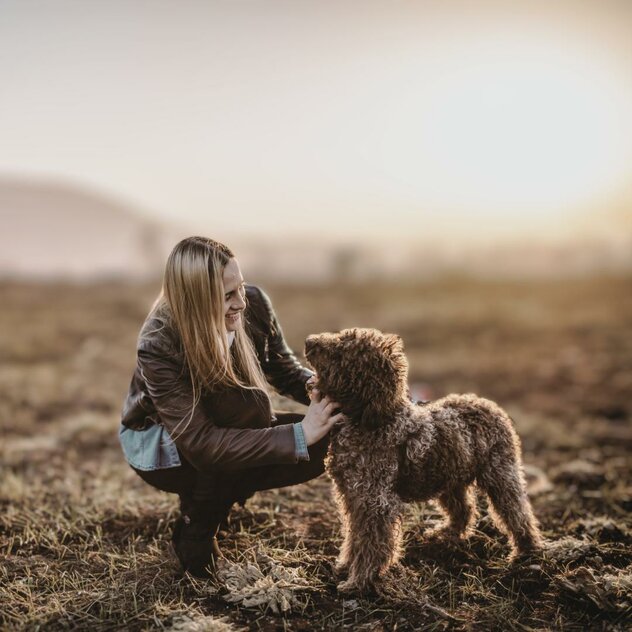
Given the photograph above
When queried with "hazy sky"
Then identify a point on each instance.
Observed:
(413, 117)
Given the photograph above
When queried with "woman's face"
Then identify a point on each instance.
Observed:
(235, 291)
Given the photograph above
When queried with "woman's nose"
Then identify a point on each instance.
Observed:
(240, 303)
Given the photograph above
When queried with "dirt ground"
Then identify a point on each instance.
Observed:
(84, 543)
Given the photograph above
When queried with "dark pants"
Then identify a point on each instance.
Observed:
(207, 494)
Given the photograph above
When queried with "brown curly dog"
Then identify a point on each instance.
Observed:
(392, 451)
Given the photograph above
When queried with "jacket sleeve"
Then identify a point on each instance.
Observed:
(205, 445)
(281, 367)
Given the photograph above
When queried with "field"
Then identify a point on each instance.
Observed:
(84, 543)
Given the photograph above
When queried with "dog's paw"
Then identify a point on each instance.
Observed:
(347, 587)
(341, 569)
(444, 534)
(525, 556)
(368, 588)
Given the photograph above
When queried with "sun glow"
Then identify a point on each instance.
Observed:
(512, 127)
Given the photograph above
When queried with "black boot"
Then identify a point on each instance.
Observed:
(195, 544)
(239, 497)
(224, 525)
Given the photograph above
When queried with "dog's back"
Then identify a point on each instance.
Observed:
(449, 442)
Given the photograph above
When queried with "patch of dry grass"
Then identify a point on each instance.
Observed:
(84, 543)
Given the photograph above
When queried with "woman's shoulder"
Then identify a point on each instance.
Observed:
(258, 301)
(255, 293)
(259, 310)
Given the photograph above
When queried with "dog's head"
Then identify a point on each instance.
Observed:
(364, 370)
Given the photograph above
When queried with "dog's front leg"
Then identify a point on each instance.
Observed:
(342, 563)
(372, 544)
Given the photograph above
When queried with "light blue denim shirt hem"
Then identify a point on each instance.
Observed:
(149, 449)
(153, 448)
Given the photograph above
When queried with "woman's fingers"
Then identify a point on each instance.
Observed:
(337, 419)
(324, 403)
(331, 406)
(320, 419)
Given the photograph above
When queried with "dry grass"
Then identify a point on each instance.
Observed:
(84, 542)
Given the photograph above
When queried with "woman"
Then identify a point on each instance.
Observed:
(197, 420)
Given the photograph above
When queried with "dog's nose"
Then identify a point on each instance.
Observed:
(310, 343)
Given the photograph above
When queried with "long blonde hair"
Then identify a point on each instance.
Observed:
(192, 302)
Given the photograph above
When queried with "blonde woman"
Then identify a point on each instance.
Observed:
(197, 420)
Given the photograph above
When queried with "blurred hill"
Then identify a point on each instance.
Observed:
(56, 230)
(51, 229)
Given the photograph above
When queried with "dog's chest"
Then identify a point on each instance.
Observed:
(354, 451)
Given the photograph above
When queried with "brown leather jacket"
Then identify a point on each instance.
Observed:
(229, 428)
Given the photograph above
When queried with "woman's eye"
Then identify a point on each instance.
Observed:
(241, 289)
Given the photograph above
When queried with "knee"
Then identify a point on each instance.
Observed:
(319, 449)
(282, 418)
(317, 454)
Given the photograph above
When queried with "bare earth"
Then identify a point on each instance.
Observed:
(84, 543)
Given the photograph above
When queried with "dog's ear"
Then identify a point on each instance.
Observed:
(372, 416)
(394, 342)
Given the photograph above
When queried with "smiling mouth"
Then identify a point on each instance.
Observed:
(234, 316)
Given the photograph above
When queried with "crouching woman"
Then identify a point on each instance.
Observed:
(197, 420)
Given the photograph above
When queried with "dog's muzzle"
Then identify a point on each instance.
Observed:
(310, 345)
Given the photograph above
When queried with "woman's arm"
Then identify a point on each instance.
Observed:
(193, 430)
(279, 364)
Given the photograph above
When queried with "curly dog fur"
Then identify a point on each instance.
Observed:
(392, 451)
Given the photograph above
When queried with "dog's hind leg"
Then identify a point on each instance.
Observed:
(510, 507)
(460, 508)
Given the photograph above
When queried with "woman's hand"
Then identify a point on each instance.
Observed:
(320, 417)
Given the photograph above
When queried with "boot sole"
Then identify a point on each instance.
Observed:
(202, 573)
